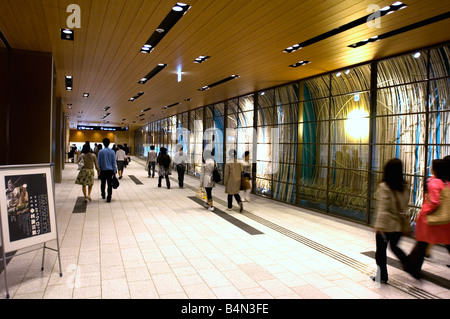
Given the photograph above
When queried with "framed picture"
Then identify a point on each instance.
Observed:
(26, 206)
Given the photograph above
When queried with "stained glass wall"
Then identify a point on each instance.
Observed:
(322, 142)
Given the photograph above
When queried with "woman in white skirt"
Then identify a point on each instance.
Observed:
(86, 175)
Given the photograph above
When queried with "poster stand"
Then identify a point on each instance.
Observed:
(46, 174)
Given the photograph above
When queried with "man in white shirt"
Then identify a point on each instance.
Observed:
(121, 158)
(181, 159)
(151, 161)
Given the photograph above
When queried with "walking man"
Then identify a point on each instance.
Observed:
(107, 164)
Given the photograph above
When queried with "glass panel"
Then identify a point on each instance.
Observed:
(439, 133)
(209, 111)
(313, 154)
(350, 106)
(401, 70)
(287, 153)
(316, 110)
(287, 113)
(401, 129)
(314, 88)
(284, 192)
(233, 106)
(439, 58)
(351, 80)
(439, 95)
(287, 133)
(312, 198)
(348, 181)
(285, 173)
(352, 130)
(313, 176)
(402, 99)
(246, 103)
(312, 132)
(412, 157)
(347, 206)
(266, 98)
(286, 94)
(266, 116)
(263, 187)
(264, 169)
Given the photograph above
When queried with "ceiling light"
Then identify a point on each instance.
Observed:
(67, 34)
(304, 62)
(201, 59)
(207, 87)
(382, 12)
(69, 82)
(106, 108)
(136, 96)
(416, 55)
(402, 30)
(178, 10)
(86, 95)
(152, 73)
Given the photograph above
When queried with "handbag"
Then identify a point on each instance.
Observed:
(216, 175)
(115, 182)
(81, 163)
(404, 218)
(441, 215)
(201, 193)
(245, 181)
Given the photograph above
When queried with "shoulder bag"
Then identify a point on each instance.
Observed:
(441, 215)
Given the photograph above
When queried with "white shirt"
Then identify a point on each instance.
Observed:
(181, 158)
(120, 155)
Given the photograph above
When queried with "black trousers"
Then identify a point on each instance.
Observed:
(180, 170)
(160, 178)
(230, 199)
(151, 169)
(106, 178)
(382, 241)
(417, 256)
(208, 191)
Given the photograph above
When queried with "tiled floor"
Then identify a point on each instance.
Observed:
(152, 242)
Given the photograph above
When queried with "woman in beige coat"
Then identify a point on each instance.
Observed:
(390, 219)
(232, 180)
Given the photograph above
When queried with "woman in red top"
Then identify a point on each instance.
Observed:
(431, 234)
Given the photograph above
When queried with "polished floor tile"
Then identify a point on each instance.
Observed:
(159, 243)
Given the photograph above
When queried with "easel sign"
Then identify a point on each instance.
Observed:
(26, 206)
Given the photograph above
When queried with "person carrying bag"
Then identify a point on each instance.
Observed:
(391, 220)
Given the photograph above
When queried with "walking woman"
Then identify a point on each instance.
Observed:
(86, 175)
(206, 181)
(164, 167)
(390, 218)
(431, 234)
(232, 180)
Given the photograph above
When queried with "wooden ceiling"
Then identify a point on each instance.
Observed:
(246, 38)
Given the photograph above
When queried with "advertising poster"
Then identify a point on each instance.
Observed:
(27, 212)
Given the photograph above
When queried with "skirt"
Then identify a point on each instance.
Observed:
(85, 177)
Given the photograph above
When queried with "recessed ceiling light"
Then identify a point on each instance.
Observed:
(152, 73)
(207, 87)
(300, 63)
(69, 82)
(136, 96)
(178, 10)
(201, 59)
(402, 30)
(86, 95)
(67, 34)
(382, 12)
